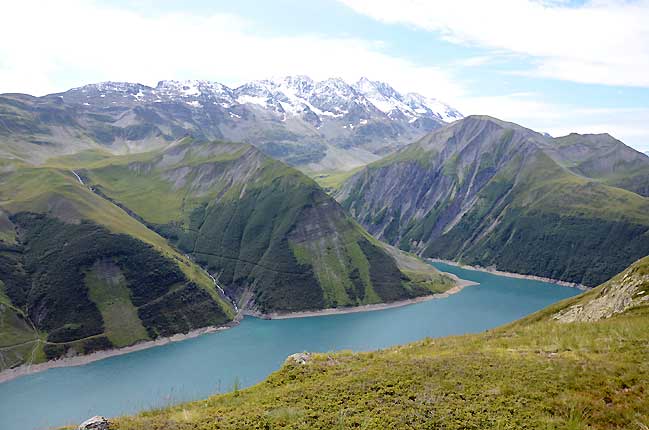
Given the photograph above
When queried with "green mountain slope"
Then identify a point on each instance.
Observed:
(488, 192)
(537, 373)
(602, 157)
(79, 274)
(270, 236)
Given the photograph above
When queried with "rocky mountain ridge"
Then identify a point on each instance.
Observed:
(488, 192)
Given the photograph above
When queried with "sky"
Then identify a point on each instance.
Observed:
(556, 66)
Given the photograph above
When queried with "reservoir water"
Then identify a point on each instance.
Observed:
(246, 354)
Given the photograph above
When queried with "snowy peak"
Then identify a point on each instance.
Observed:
(421, 105)
(384, 97)
(193, 88)
(411, 106)
(376, 88)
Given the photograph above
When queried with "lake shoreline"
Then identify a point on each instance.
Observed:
(510, 274)
(459, 286)
(80, 360)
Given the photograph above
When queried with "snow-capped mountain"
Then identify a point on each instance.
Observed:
(317, 125)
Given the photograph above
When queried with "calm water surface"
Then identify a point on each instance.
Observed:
(196, 368)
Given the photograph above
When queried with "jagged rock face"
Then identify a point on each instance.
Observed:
(494, 193)
(317, 125)
(627, 290)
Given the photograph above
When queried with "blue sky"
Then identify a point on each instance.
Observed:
(554, 65)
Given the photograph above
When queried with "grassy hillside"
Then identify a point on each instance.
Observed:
(273, 239)
(62, 248)
(331, 181)
(491, 193)
(19, 340)
(537, 373)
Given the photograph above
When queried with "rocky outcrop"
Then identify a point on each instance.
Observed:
(627, 290)
(300, 358)
(95, 423)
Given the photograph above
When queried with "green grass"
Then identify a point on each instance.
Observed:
(19, 342)
(550, 188)
(152, 198)
(331, 181)
(435, 283)
(14, 329)
(82, 158)
(414, 152)
(107, 289)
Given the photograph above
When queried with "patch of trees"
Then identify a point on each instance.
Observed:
(569, 248)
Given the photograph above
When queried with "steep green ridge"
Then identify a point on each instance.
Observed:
(331, 181)
(272, 238)
(60, 245)
(537, 373)
(491, 193)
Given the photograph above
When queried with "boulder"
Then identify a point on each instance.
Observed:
(299, 358)
(95, 423)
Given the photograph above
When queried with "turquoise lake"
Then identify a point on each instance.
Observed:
(246, 354)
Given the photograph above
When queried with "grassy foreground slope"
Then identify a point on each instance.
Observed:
(537, 373)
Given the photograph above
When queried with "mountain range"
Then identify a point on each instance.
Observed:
(314, 125)
(491, 193)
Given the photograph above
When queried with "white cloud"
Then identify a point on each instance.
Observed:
(84, 42)
(604, 42)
